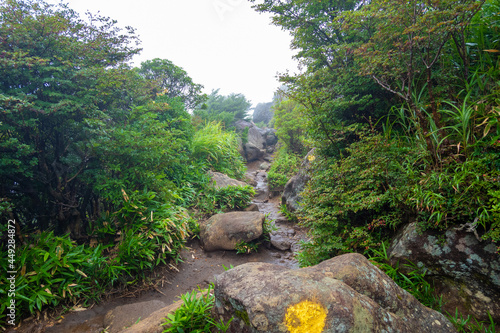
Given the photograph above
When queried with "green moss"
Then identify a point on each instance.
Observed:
(243, 315)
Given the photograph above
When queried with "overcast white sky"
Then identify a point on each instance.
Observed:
(219, 43)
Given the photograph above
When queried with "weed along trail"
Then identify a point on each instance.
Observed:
(125, 309)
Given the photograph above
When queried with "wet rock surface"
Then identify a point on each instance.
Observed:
(343, 294)
(465, 270)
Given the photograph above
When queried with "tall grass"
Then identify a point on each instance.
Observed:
(217, 149)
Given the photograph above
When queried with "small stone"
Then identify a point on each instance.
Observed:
(280, 242)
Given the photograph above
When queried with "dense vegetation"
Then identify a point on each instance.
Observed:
(99, 160)
(401, 98)
(224, 109)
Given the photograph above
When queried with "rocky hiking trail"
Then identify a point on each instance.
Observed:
(143, 311)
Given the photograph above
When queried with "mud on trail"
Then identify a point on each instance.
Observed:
(198, 269)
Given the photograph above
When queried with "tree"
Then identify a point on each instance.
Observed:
(331, 90)
(172, 81)
(263, 113)
(224, 109)
(405, 53)
(57, 72)
(288, 117)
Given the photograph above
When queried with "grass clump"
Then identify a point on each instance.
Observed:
(217, 149)
(195, 314)
(284, 166)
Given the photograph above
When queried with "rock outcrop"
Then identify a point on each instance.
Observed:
(271, 137)
(464, 270)
(343, 294)
(241, 124)
(224, 231)
(254, 148)
(296, 184)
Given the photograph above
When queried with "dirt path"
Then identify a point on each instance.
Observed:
(198, 269)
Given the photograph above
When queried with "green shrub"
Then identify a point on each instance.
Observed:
(53, 270)
(195, 314)
(354, 202)
(284, 166)
(217, 150)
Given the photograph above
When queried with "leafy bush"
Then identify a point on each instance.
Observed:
(217, 150)
(289, 124)
(353, 202)
(151, 231)
(284, 166)
(195, 314)
(54, 270)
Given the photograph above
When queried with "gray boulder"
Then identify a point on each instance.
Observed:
(255, 137)
(464, 270)
(220, 180)
(224, 231)
(254, 148)
(252, 152)
(264, 166)
(291, 194)
(343, 294)
(263, 113)
(252, 208)
(241, 124)
(271, 137)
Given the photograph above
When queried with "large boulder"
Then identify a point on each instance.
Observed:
(291, 194)
(252, 152)
(220, 180)
(271, 137)
(343, 294)
(224, 231)
(256, 138)
(464, 269)
(254, 148)
(241, 124)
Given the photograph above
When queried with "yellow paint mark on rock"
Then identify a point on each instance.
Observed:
(305, 317)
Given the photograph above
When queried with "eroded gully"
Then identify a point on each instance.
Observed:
(198, 269)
